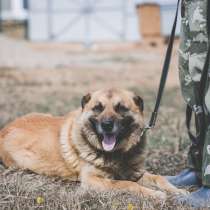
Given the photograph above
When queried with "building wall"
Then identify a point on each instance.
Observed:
(13, 10)
(6, 5)
(156, 20)
(108, 20)
(149, 20)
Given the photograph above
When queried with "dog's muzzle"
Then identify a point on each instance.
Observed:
(107, 129)
(109, 133)
(107, 125)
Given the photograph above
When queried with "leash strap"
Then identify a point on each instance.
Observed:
(164, 75)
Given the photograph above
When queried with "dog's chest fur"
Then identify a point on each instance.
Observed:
(117, 165)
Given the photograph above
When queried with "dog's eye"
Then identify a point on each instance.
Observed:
(98, 108)
(121, 108)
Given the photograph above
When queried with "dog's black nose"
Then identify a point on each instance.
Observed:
(107, 125)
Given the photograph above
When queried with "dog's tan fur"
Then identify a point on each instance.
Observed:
(67, 147)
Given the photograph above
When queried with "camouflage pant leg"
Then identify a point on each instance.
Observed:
(206, 149)
(192, 54)
(184, 74)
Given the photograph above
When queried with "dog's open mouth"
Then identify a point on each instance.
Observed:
(109, 142)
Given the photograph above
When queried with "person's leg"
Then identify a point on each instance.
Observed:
(191, 58)
(197, 22)
(188, 72)
(201, 197)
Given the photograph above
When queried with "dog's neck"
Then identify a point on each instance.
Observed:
(119, 164)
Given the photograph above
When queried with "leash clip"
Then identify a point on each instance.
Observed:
(151, 123)
(145, 129)
(197, 109)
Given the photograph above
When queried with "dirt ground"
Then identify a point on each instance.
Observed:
(51, 78)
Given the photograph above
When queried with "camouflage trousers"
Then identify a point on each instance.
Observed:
(192, 55)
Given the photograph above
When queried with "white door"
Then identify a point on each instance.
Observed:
(85, 21)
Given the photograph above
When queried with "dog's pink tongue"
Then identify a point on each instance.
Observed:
(109, 142)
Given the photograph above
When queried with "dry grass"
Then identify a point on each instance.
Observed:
(24, 190)
(58, 91)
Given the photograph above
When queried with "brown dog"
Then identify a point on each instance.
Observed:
(98, 144)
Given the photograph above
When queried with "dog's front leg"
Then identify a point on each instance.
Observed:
(96, 179)
(159, 182)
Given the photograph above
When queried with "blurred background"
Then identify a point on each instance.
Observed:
(52, 52)
(87, 21)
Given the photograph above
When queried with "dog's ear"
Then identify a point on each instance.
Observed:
(85, 100)
(139, 102)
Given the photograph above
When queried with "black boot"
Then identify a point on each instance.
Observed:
(187, 177)
(197, 199)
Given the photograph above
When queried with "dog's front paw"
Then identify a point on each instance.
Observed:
(159, 195)
(182, 192)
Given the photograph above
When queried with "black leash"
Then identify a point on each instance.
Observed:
(164, 75)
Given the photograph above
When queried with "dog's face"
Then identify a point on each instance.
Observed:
(112, 119)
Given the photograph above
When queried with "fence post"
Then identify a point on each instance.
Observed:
(49, 19)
